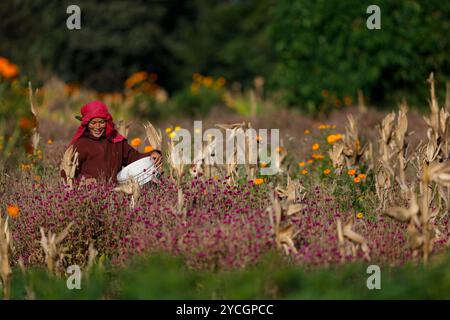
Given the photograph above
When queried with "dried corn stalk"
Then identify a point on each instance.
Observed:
(279, 213)
(130, 187)
(154, 136)
(52, 246)
(354, 240)
(69, 165)
(175, 162)
(5, 250)
(419, 216)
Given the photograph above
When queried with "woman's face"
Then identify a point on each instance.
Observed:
(97, 127)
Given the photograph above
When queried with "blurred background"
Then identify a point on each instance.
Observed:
(160, 60)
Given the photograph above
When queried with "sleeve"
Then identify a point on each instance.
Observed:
(131, 155)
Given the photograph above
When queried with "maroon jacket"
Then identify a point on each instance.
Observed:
(100, 158)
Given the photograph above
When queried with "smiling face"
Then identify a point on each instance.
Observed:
(97, 127)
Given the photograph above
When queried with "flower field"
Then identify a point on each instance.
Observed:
(361, 188)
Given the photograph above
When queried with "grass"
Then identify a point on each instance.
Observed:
(160, 276)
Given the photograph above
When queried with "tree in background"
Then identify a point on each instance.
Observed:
(324, 50)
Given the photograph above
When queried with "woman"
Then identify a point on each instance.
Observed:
(102, 151)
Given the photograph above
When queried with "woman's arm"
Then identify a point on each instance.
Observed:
(131, 155)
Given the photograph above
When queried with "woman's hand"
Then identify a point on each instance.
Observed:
(157, 159)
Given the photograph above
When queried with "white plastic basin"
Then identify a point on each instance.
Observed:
(142, 170)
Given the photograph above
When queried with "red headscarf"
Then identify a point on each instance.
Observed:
(96, 109)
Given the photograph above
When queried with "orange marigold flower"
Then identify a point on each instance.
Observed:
(25, 167)
(49, 141)
(357, 180)
(304, 171)
(359, 215)
(317, 156)
(301, 164)
(148, 149)
(361, 176)
(136, 78)
(197, 77)
(306, 131)
(310, 161)
(208, 81)
(327, 171)
(332, 138)
(315, 146)
(348, 101)
(13, 210)
(258, 181)
(351, 172)
(136, 142)
(263, 164)
(25, 123)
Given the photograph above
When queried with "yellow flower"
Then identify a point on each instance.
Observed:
(306, 131)
(50, 141)
(310, 161)
(177, 128)
(13, 210)
(168, 130)
(315, 146)
(263, 164)
(301, 164)
(351, 172)
(136, 142)
(357, 180)
(172, 135)
(327, 171)
(361, 176)
(359, 215)
(258, 181)
(304, 171)
(37, 178)
(148, 149)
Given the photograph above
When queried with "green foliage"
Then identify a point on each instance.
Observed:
(189, 103)
(160, 276)
(324, 48)
(223, 38)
